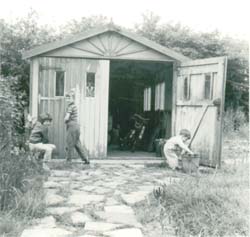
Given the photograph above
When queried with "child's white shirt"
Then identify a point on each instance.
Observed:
(175, 143)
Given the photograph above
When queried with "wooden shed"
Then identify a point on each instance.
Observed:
(116, 73)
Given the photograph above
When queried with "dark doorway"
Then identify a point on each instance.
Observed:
(132, 90)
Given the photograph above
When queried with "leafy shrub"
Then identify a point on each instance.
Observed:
(235, 121)
(16, 166)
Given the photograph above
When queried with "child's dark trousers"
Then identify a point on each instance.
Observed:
(73, 142)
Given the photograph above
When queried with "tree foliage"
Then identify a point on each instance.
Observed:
(16, 37)
(203, 45)
(85, 23)
(25, 33)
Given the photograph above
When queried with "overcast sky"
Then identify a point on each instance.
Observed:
(229, 17)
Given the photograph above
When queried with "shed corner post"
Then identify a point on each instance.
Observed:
(34, 81)
(223, 65)
(174, 97)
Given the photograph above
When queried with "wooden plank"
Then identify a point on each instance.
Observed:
(110, 38)
(85, 109)
(105, 73)
(81, 67)
(117, 40)
(130, 47)
(202, 62)
(35, 81)
(200, 69)
(223, 70)
(31, 87)
(96, 43)
(128, 44)
(174, 96)
(89, 51)
(72, 52)
(92, 104)
(144, 55)
(102, 40)
(102, 120)
(89, 46)
(96, 113)
(99, 116)
(132, 52)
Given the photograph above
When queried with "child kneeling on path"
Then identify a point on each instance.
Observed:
(73, 130)
(175, 146)
(39, 140)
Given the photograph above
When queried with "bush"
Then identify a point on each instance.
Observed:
(21, 177)
(235, 121)
(17, 167)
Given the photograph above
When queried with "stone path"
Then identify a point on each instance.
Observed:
(98, 200)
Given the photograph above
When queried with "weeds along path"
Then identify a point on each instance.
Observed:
(99, 200)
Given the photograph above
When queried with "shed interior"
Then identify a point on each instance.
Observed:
(136, 87)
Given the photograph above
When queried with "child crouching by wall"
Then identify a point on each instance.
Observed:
(39, 140)
(174, 147)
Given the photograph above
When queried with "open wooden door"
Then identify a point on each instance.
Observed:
(199, 100)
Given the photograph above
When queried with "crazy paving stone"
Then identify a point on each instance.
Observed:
(53, 199)
(60, 173)
(87, 188)
(80, 200)
(61, 210)
(111, 184)
(120, 214)
(45, 232)
(148, 188)
(79, 218)
(134, 197)
(87, 236)
(129, 232)
(76, 185)
(48, 222)
(51, 184)
(119, 209)
(100, 226)
(101, 190)
(111, 201)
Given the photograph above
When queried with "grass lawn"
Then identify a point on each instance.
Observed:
(212, 204)
(28, 206)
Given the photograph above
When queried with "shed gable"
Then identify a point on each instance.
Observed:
(108, 45)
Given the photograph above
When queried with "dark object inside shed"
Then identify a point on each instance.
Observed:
(129, 81)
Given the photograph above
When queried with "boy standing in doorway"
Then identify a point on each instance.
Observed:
(174, 146)
(73, 130)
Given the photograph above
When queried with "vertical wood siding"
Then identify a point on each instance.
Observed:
(93, 111)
